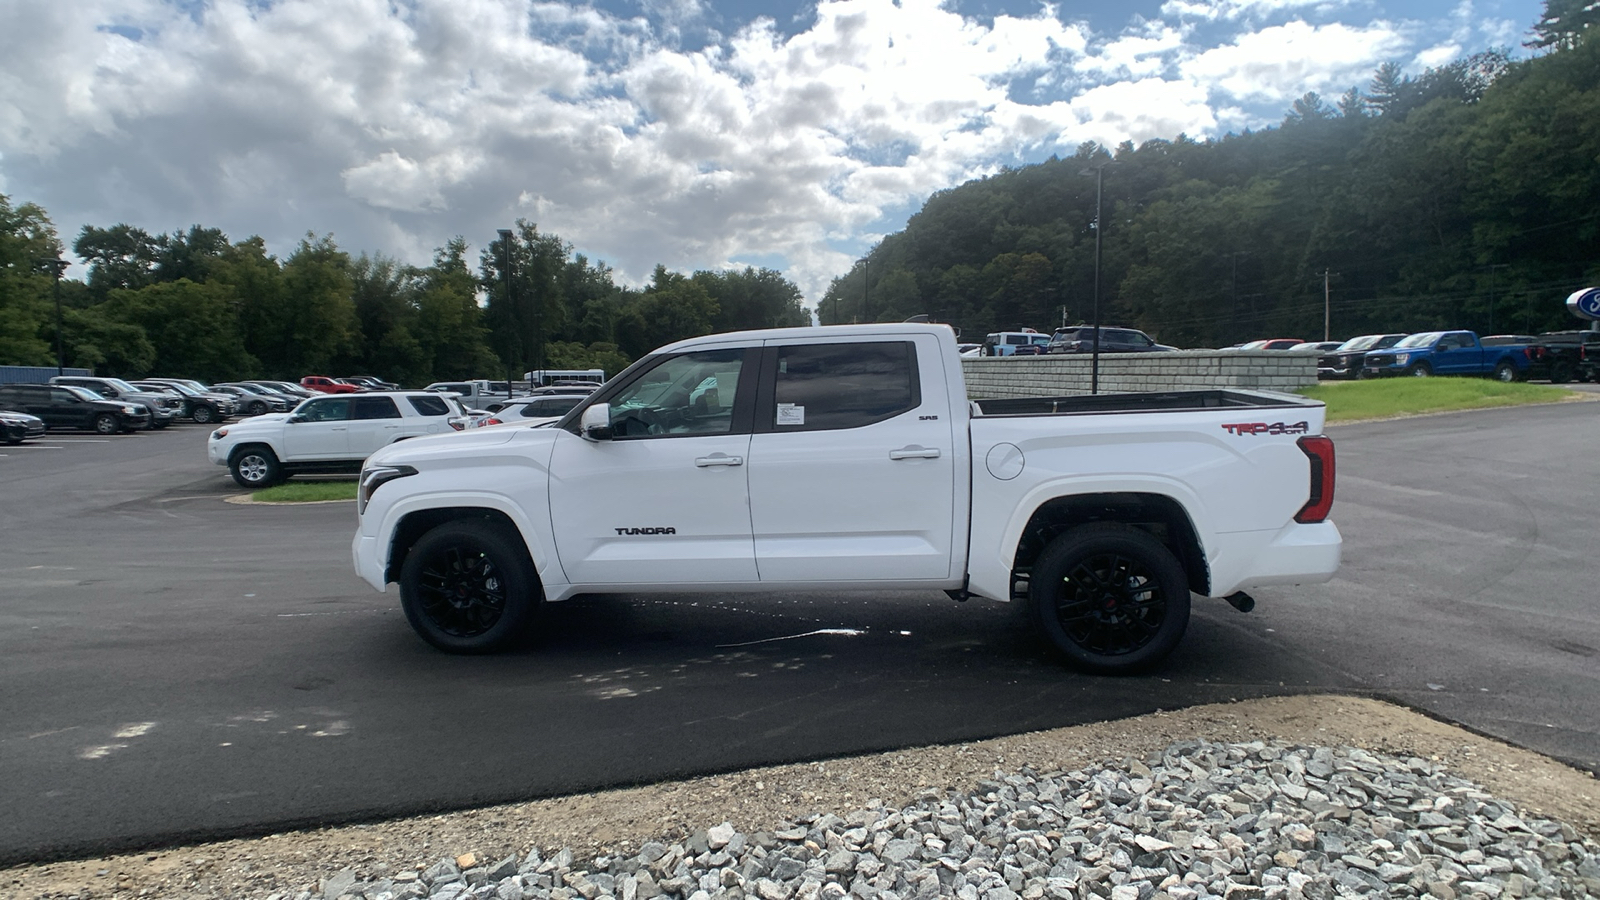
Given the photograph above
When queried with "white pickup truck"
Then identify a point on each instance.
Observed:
(849, 458)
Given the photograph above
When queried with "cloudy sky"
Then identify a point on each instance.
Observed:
(692, 133)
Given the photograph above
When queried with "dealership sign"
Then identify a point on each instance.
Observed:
(1585, 304)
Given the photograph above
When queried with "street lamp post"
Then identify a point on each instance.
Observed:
(1099, 229)
(505, 274)
(58, 267)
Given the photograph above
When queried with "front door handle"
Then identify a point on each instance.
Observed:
(717, 459)
(915, 453)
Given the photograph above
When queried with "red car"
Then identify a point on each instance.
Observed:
(328, 385)
(1272, 344)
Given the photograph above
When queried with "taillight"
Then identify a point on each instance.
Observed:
(490, 421)
(1320, 451)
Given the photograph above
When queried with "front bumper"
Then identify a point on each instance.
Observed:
(368, 562)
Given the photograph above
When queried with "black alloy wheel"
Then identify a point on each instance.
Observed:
(1561, 373)
(1110, 597)
(203, 414)
(469, 586)
(258, 408)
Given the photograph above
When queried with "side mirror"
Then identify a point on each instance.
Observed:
(595, 424)
(296, 418)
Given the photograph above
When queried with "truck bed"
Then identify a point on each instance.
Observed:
(1162, 401)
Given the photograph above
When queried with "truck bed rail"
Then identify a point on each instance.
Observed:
(1155, 401)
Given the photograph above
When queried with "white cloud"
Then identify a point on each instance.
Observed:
(397, 124)
(1285, 61)
(1233, 10)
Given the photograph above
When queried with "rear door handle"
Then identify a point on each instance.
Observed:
(719, 460)
(915, 453)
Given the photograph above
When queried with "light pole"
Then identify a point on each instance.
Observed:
(58, 267)
(505, 274)
(1099, 229)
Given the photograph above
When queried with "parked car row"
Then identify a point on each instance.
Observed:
(1558, 356)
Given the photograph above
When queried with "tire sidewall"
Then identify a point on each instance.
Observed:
(1420, 370)
(273, 470)
(202, 415)
(1505, 373)
(509, 555)
(106, 423)
(1057, 559)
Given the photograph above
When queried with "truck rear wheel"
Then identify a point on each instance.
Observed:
(1561, 373)
(1505, 373)
(1110, 597)
(468, 586)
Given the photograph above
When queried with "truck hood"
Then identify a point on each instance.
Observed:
(471, 442)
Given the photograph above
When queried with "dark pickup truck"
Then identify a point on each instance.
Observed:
(1570, 355)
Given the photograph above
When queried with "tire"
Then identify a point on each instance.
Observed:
(1505, 372)
(258, 409)
(204, 415)
(1110, 598)
(255, 468)
(469, 586)
(1420, 370)
(107, 423)
(1561, 373)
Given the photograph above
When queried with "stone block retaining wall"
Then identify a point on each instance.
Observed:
(999, 377)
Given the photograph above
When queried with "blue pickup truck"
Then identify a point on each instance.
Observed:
(1450, 353)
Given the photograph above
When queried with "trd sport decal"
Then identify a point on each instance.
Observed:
(1264, 428)
(647, 531)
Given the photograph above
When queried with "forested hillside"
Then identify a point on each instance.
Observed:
(1467, 197)
(195, 304)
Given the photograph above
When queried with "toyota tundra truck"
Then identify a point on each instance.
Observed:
(849, 458)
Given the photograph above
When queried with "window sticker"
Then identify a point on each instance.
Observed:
(790, 414)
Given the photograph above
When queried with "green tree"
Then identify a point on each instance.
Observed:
(1565, 23)
(317, 330)
(193, 329)
(28, 244)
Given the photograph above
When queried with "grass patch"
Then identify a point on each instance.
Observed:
(1387, 397)
(306, 492)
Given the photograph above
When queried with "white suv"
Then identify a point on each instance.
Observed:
(329, 434)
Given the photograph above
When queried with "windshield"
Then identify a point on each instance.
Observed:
(1365, 342)
(183, 389)
(1420, 340)
(122, 386)
(84, 392)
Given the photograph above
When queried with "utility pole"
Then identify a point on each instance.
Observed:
(1326, 305)
(58, 267)
(1493, 289)
(866, 285)
(1099, 229)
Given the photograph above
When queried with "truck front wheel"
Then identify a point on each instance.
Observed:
(1110, 597)
(469, 587)
(1420, 370)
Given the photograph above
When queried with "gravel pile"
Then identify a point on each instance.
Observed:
(1234, 821)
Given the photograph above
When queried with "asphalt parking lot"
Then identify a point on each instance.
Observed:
(178, 667)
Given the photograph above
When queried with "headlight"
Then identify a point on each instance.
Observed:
(1402, 358)
(130, 410)
(219, 434)
(374, 478)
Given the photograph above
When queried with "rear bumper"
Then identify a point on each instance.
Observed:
(1294, 554)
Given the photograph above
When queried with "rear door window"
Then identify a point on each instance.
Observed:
(831, 386)
(375, 408)
(429, 406)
